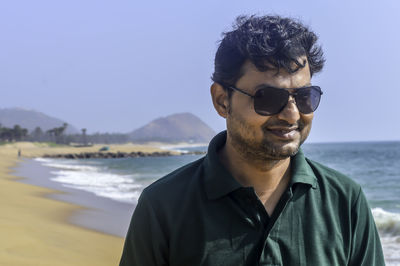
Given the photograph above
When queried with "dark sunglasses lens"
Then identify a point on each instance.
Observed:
(307, 99)
(270, 101)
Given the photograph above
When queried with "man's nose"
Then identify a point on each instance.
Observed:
(290, 113)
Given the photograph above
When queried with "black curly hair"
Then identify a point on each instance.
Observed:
(265, 41)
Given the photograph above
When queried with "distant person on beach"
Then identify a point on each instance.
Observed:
(255, 199)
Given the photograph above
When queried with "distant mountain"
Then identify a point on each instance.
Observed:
(182, 127)
(31, 119)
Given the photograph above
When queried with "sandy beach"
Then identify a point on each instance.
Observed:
(37, 228)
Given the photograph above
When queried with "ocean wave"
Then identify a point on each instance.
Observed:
(388, 223)
(94, 179)
(43, 160)
(174, 148)
(109, 185)
(185, 147)
(72, 167)
(111, 193)
(60, 164)
(391, 247)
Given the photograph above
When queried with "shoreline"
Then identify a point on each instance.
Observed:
(95, 213)
(39, 229)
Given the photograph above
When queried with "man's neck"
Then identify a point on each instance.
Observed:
(268, 178)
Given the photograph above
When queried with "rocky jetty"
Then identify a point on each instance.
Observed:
(109, 155)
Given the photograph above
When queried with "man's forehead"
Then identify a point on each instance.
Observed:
(252, 77)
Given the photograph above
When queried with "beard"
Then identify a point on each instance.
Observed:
(243, 138)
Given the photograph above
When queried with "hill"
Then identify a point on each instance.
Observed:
(182, 127)
(31, 119)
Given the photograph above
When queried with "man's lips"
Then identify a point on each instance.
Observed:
(284, 132)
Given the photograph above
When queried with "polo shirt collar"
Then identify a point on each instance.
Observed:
(219, 181)
(302, 173)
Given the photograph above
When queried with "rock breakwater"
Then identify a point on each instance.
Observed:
(110, 155)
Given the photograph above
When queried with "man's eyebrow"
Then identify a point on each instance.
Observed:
(266, 85)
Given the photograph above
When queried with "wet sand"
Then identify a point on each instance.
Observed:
(96, 213)
(37, 228)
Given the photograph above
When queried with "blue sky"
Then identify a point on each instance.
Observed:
(112, 66)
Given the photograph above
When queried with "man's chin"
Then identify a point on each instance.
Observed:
(284, 150)
(268, 149)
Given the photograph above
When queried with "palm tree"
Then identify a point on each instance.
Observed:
(24, 133)
(17, 132)
(37, 134)
(58, 133)
(84, 136)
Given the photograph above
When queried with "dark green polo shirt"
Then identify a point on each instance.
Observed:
(200, 215)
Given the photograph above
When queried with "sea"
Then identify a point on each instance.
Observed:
(374, 165)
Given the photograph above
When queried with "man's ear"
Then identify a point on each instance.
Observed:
(220, 99)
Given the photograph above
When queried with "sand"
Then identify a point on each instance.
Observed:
(35, 230)
(96, 213)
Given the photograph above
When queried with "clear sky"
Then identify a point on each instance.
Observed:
(112, 66)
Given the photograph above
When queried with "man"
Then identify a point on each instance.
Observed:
(254, 199)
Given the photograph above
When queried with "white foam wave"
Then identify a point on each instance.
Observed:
(94, 179)
(60, 164)
(43, 160)
(178, 147)
(179, 150)
(388, 224)
(129, 197)
(391, 247)
(72, 167)
(117, 187)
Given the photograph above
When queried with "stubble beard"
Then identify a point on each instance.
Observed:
(267, 149)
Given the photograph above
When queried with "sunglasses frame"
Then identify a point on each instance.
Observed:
(294, 94)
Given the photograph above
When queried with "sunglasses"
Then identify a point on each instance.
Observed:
(271, 101)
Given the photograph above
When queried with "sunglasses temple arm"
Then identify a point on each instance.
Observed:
(242, 91)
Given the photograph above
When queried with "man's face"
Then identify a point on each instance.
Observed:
(259, 137)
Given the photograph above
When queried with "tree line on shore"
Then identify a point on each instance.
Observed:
(58, 135)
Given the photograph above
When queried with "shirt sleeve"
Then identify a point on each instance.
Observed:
(145, 243)
(366, 246)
